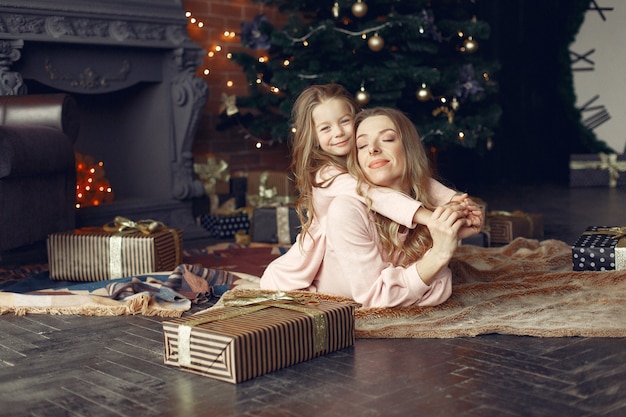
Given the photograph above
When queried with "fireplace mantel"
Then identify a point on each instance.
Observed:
(132, 68)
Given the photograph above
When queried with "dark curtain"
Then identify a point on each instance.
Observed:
(540, 125)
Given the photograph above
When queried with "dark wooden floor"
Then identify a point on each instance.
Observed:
(113, 366)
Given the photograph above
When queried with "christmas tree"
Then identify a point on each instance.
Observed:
(422, 57)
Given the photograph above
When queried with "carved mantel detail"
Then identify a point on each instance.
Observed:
(98, 30)
(11, 82)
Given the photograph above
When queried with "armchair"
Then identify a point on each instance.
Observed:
(37, 167)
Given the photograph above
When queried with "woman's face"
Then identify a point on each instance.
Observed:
(380, 152)
(334, 126)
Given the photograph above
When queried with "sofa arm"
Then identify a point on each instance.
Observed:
(59, 111)
(34, 150)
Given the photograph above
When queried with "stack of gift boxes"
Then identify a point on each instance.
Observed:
(259, 204)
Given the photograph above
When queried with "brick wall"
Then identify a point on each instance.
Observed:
(217, 17)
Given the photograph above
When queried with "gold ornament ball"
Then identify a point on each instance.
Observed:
(359, 9)
(423, 93)
(376, 43)
(470, 45)
(362, 97)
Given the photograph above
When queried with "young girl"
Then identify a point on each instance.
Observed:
(324, 117)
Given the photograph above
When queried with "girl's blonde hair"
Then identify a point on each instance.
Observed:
(415, 178)
(307, 157)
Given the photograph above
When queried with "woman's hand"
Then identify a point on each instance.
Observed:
(444, 226)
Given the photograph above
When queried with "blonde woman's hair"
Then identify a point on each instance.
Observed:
(415, 178)
(307, 157)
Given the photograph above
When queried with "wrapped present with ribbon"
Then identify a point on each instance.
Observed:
(504, 226)
(279, 224)
(214, 174)
(256, 333)
(600, 248)
(597, 170)
(121, 248)
(225, 224)
(269, 189)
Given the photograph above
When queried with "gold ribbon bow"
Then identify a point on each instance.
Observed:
(617, 232)
(123, 225)
(255, 301)
(262, 297)
(210, 172)
(607, 162)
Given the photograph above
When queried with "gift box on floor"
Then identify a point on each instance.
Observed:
(480, 239)
(224, 226)
(235, 344)
(95, 254)
(600, 248)
(504, 226)
(275, 225)
(597, 170)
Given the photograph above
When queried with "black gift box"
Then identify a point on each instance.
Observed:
(600, 248)
(275, 225)
(223, 226)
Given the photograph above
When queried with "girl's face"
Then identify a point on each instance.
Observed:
(333, 124)
(380, 152)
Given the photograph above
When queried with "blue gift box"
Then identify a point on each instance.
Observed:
(600, 248)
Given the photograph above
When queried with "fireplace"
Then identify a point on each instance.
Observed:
(132, 69)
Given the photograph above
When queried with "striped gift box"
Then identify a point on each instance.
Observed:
(92, 254)
(235, 344)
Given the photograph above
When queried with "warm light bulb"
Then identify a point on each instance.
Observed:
(200, 24)
(210, 54)
(229, 56)
(305, 43)
(443, 100)
(259, 81)
(461, 135)
(218, 48)
(192, 20)
(286, 63)
(258, 145)
(206, 72)
(226, 34)
(229, 83)
(187, 14)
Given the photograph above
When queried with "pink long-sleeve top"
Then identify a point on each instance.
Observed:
(355, 267)
(299, 267)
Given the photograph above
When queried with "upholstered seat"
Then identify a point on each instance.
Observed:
(37, 167)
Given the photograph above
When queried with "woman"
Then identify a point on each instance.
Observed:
(374, 260)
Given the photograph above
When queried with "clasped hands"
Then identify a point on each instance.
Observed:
(469, 214)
